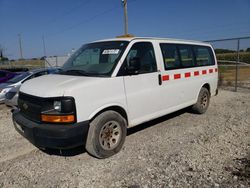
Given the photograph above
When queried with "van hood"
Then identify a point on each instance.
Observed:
(55, 85)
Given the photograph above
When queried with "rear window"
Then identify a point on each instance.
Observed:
(204, 56)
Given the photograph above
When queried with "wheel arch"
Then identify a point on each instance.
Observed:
(117, 108)
(207, 86)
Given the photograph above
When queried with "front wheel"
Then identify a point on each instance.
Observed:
(202, 102)
(106, 135)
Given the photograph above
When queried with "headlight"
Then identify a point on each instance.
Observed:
(59, 110)
(5, 90)
(58, 105)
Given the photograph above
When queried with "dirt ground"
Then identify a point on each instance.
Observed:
(178, 150)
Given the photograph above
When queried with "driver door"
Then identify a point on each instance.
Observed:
(142, 88)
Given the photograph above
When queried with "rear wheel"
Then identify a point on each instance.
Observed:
(106, 135)
(202, 102)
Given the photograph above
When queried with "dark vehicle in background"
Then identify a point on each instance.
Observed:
(6, 75)
(9, 90)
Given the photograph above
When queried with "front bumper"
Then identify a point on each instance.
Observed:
(51, 135)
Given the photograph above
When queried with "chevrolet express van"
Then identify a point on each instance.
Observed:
(108, 86)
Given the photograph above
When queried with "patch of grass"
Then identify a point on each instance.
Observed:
(30, 64)
(244, 57)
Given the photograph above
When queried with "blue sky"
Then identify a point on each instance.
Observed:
(67, 24)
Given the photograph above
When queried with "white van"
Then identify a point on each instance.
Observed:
(110, 85)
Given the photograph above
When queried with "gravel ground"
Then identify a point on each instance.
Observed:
(178, 150)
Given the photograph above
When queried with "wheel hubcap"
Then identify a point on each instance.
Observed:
(204, 101)
(110, 135)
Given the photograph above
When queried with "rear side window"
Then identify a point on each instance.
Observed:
(178, 56)
(186, 54)
(204, 56)
(170, 56)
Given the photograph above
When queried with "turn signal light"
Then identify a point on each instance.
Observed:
(58, 119)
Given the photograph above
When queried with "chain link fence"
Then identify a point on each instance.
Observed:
(233, 56)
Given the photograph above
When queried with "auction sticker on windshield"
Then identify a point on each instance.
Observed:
(111, 51)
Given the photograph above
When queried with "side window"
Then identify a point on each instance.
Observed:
(204, 56)
(143, 51)
(170, 56)
(186, 55)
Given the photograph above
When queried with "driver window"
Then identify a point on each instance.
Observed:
(143, 51)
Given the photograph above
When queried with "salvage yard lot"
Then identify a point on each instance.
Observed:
(178, 150)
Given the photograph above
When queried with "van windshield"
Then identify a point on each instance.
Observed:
(95, 59)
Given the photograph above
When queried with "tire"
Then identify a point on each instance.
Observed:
(106, 136)
(202, 102)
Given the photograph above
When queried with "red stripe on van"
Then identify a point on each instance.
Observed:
(165, 77)
(211, 70)
(177, 76)
(187, 74)
(216, 70)
(204, 71)
(196, 73)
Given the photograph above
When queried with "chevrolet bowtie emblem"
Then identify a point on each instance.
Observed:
(25, 106)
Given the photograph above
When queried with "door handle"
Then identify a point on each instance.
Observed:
(159, 79)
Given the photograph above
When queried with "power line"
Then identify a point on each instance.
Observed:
(82, 22)
(228, 39)
(69, 11)
(214, 31)
(87, 20)
(211, 28)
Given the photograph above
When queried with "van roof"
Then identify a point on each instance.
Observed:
(171, 40)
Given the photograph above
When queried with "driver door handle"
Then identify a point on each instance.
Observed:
(159, 79)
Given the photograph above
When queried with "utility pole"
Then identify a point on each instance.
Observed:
(125, 17)
(1, 52)
(20, 45)
(44, 48)
(237, 64)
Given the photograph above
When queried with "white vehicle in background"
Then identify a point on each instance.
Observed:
(110, 85)
(12, 86)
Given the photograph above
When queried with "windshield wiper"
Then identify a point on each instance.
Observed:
(74, 72)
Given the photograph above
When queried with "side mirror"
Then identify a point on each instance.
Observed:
(134, 66)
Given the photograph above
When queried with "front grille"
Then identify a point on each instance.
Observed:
(30, 106)
(10, 95)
